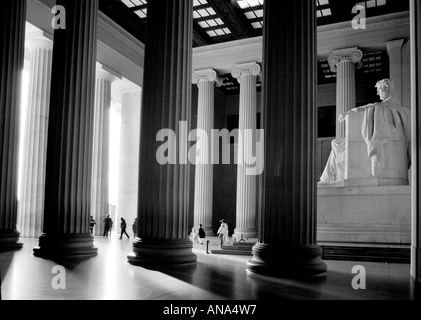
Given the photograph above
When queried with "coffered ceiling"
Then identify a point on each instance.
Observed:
(218, 21)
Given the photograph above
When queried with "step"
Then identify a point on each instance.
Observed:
(366, 253)
(244, 244)
(241, 248)
(231, 252)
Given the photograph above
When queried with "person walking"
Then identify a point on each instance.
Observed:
(223, 232)
(111, 227)
(202, 234)
(92, 223)
(123, 227)
(107, 221)
(134, 227)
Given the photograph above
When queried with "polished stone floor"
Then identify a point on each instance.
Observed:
(215, 277)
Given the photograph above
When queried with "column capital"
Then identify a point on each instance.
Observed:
(39, 39)
(394, 44)
(102, 73)
(206, 75)
(354, 55)
(252, 68)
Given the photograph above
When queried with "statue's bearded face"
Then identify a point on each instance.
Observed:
(383, 91)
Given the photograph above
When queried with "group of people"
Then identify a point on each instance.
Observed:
(108, 226)
(198, 237)
(223, 234)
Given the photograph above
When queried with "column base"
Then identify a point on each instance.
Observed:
(162, 253)
(9, 240)
(65, 246)
(415, 289)
(287, 261)
(245, 233)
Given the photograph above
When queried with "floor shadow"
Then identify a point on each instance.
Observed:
(238, 284)
(67, 262)
(6, 259)
(202, 276)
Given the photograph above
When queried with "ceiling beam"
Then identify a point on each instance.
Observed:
(143, 6)
(200, 38)
(119, 13)
(233, 18)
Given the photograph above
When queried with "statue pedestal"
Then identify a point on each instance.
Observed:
(364, 208)
(364, 214)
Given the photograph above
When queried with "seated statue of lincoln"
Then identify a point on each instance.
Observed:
(382, 122)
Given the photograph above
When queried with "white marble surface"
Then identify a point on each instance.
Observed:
(375, 214)
(358, 165)
(109, 277)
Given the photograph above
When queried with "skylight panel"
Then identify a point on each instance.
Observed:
(203, 24)
(128, 3)
(141, 13)
(203, 13)
(323, 8)
(253, 10)
(212, 23)
(326, 12)
(259, 13)
(219, 21)
(207, 18)
(211, 33)
(372, 3)
(257, 25)
(137, 4)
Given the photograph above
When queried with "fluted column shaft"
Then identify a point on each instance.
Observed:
(344, 63)
(101, 149)
(164, 189)
(12, 51)
(203, 191)
(31, 206)
(394, 49)
(70, 135)
(287, 236)
(416, 139)
(131, 102)
(246, 184)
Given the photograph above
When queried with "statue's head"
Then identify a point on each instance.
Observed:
(385, 88)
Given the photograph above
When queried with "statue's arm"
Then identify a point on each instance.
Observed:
(363, 108)
(359, 109)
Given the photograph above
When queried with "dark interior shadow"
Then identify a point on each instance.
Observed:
(305, 288)
(69, 263)
(202, 276)
(236, 285)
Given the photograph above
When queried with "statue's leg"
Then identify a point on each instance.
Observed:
(329, 173)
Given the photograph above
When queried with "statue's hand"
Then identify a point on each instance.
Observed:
(342, 117)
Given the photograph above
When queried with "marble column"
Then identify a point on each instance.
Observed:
(394, 49)
(131, 106)
(287, 244)
(31, 206)
(70, 135)
(203, 191)
(246, 74)
(101, 149)
(416, 139)
(164, 189)
(12, 54)
(344, 62)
